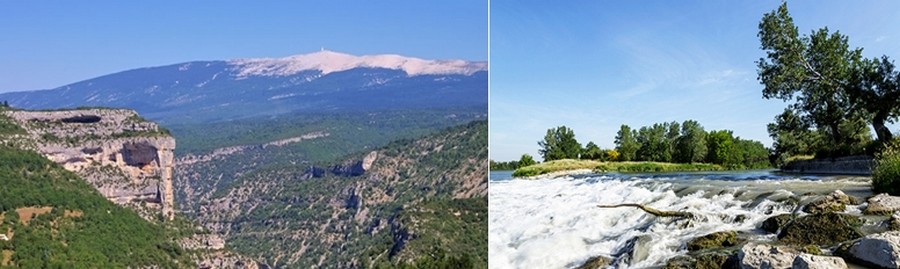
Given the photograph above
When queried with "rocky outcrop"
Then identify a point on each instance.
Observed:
(126, 158)
(821, 229)
(225, 259)
(713, 240)
(202, 241)
(754, 255)
(704, 260)
(882, 204)
(775, 223)
(808, 261)
(837, 201)
(355, 168)
(881, 250)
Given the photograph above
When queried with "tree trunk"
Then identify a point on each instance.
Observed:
(884, 134)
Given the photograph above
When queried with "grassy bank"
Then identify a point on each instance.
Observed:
(554, 166)
(603, 167)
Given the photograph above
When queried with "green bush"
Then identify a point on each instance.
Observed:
(886, 173)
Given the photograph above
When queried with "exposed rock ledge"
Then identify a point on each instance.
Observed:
(219, 152)
(128, 159)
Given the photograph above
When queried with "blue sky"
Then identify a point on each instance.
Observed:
(594, 65)
(47, 44)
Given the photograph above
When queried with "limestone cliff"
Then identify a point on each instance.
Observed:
(128, 159)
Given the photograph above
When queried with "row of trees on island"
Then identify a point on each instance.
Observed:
(686, 142)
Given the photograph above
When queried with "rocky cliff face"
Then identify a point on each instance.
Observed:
(380, 207)
(128, 159)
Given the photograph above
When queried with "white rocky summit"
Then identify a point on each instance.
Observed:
(327, 62)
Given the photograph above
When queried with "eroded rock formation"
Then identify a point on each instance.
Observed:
(128, 159)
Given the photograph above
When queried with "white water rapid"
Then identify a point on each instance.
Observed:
(554, 223)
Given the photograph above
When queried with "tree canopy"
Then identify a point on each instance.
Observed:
(559, 143)
(834, 90)
(686, 142)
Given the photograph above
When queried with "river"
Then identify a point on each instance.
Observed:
(554, 223)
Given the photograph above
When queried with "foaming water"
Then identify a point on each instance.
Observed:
(554, 223)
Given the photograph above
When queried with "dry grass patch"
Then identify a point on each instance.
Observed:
(7, 258)
(26, 213)
(73, 213)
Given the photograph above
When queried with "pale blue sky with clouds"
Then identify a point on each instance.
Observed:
(46, 44)
(594, 65)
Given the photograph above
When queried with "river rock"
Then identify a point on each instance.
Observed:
(894, 222)
(596, 263)
(821, 229)
(881, 249)
(762, 256)
(704, 260)
(837, 201)
(772, 224)
(713, 240)
(882, 204)
(808, 261)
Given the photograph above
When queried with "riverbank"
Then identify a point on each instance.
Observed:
(569, 167)
(850, 165)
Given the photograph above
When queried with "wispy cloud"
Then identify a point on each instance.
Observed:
(639, 89)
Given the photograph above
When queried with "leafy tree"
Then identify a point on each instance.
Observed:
(720, 146)
(626, 144)
(691, 145)
(592, 152)
(654, 145)
(559, 143)
(792, 136)
(831, 85)
(503, 166)
(878, 92)
(672, 134)
(526, 160)
(750, 154)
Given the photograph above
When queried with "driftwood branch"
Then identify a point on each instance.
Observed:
(653, 211)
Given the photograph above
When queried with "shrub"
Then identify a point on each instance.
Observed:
(886, 173)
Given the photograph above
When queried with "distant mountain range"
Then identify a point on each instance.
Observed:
(324, 81)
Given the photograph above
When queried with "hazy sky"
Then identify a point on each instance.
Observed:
(46, 44)
(594, 65)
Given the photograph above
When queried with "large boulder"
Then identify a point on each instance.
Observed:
(713, 240)
(837, 201)
(882, 204)
(881, 250)
(772, 224)
(762, 256)
(808, 261)
(821, 229)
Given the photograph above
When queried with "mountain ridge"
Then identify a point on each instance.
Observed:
(209, 91)
(327, 61)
